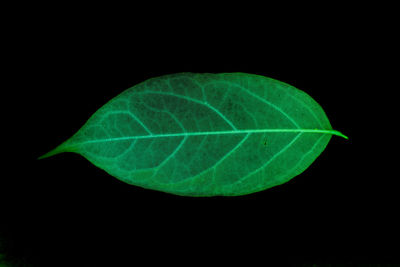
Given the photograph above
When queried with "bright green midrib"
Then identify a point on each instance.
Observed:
(65, 147)
(333, 132)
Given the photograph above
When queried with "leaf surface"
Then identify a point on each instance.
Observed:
(205, 134)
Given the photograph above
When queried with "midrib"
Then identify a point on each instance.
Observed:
(183, 134)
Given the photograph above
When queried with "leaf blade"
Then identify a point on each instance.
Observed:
(184, 128)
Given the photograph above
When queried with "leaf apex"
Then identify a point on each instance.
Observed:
(59, 149)
(49, 154)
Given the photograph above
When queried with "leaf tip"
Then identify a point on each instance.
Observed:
(46, 155)
(53, 152)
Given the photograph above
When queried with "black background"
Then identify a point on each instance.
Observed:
(64, 210)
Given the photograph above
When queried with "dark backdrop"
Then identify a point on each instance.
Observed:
(64, 210)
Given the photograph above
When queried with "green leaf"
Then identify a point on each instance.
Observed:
(205, 134)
